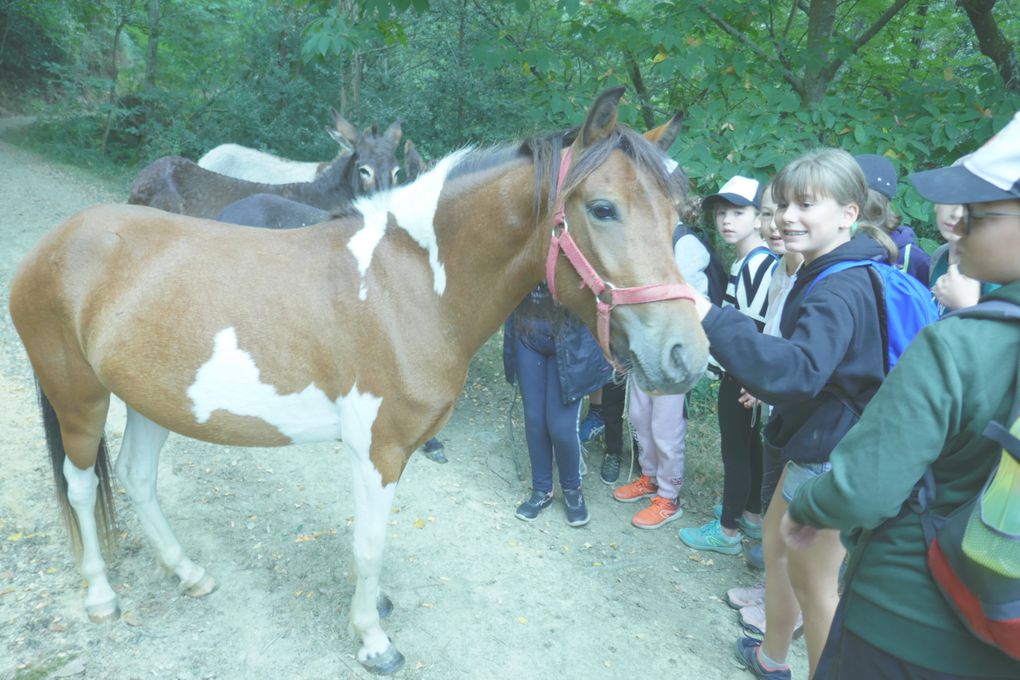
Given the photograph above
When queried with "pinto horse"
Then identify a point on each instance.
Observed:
(182, 319)
(181, 186)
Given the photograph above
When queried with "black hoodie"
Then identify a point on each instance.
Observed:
(831, 345)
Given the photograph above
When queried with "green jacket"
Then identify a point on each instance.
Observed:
(955, 377)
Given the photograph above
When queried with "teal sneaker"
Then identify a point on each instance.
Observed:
(750, 529)
(710, 536)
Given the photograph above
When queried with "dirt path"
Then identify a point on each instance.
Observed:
(477, 593)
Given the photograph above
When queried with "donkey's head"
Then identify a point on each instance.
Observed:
(620, 198)
(373, 157)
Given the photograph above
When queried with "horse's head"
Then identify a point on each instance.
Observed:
(620, 198)
(372, 165)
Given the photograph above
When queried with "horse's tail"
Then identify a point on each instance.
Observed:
(105, 520)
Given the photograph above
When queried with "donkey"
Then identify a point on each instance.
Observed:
(178, 185)
(181, 318)
(242, 162)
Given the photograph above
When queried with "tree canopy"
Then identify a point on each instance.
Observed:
(921, 81)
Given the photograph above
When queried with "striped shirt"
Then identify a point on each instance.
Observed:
(748, 287)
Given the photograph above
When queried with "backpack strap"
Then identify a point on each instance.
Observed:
(905, 267)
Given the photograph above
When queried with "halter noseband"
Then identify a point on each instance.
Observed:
(561, 240)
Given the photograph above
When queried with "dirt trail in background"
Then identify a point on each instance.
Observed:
(477, 592)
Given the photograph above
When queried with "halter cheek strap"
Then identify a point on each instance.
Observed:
(562, 241)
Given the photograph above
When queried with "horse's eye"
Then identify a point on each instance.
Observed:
(602, 210)
(365, 172)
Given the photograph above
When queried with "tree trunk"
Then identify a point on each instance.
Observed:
(114, 71)
(647, 114)
(821, 19)
(992, 42)
(151, 56)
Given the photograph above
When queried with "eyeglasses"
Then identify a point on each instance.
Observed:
(970, 215)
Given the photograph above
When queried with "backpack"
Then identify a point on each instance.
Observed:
(906, 305)
(715, 272)
(974, 553)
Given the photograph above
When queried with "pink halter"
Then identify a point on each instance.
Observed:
(561, 240)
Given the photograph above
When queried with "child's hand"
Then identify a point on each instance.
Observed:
(796, 536)
(955, 290)
(747, 400)
(702, 305)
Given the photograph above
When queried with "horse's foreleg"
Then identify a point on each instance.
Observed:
(372, 504)
(137, 468)
(100, 600)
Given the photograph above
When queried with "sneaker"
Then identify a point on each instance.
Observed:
(747, 656)
(658, 512)
(748, 528)
(577, 511)
(755, 557)
(610, 468)
(642, 487)
(433, 450)
(529, 509)
(738, 598)
(591, 427)
(710, 536)
(752, 620)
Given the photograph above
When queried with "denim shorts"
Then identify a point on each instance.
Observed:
(798, 473)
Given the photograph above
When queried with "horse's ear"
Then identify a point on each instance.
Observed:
(664, 135)
(345, 134)
(413, 163)
(601, 120)
(393, 133)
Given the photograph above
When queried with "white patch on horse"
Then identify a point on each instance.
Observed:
(230, 381)
(414, 210)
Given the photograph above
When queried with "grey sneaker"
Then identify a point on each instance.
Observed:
(610, 472)
(577, 511)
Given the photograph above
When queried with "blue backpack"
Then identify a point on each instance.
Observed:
(906, 305)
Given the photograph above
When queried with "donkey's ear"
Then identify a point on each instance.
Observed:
(601, 118)
(664, 135)
(345, 134)
(413, 163)
(393, 133)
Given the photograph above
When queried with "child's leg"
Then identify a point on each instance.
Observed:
(814, 575)
(561, 421)
(613, 398)
(532, 367)
(669, 431)
(735, 434)
(781, 607)
(639, 411)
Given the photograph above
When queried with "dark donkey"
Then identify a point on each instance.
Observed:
(180, 186)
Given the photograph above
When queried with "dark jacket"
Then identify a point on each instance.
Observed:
(919, 262)
(830, 351)
(581, 364)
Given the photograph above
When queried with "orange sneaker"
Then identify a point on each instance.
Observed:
(642, 487)
(658, 512)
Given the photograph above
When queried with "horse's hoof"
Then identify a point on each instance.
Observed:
(384, 605)
(103, 613)
(387, 663)
(203, 587)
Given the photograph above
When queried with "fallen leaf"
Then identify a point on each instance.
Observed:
(419, 523)
(131, 619)
(521, 620)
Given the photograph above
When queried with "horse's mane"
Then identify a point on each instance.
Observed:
(542, 151)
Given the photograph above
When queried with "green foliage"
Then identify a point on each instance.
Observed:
(458, 72)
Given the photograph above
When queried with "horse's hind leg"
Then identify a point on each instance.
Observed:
(137, 467)
(74, 435)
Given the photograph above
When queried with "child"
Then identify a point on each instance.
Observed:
(660, 422)
(956, 377)
(828, 361)
(535, 339)
(735, 210)
(952, 289)
(881, 175)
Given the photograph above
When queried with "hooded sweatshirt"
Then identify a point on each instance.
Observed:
(830, 351)
(919, 261)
